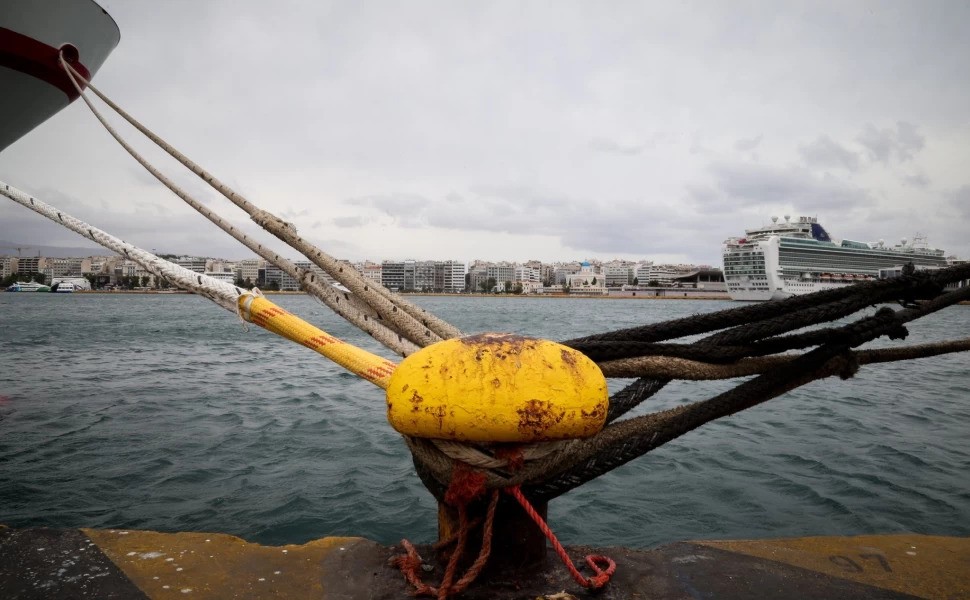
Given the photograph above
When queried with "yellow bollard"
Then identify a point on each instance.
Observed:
(497, 388)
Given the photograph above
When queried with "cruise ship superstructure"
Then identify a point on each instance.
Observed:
(797, 256)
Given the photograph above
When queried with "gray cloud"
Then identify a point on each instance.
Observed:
(593, 130)
(824, 152)
(748, 144)
(613, 147)
(746, 184)
(959, 199)
(356, 221)
(918, 180)
(581, 224)
(883, 145)
(399, 206)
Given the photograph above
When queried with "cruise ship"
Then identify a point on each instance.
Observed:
(799, 257)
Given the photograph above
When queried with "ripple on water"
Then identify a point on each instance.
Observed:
(166, 415)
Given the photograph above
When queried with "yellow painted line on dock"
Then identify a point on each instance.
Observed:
(212, 565)
(921, 565)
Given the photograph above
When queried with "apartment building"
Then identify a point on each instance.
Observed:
(501, 272)
(192, 263)
(30, 264)
(8, 266)
(227, 276)
(660, 274)
(449, 276)
(527, 276)
(248, 270)
(272, 275)
(617, 274)
(392, 275)
(371, 271)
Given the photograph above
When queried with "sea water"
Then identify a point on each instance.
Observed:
(164, 412)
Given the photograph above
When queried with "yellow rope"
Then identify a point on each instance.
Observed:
(260, 311)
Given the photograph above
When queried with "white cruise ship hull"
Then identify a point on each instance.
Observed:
(33, 87)
(795, 258)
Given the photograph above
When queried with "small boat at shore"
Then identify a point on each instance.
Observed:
(28, 286)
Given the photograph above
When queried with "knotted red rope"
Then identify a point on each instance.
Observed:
(603, 574)
(466, 486)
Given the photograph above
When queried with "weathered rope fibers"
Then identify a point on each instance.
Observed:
(420, 326)
(356, 312)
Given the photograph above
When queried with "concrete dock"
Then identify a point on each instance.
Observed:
(127, 564)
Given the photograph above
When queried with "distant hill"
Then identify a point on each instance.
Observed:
(10, 249)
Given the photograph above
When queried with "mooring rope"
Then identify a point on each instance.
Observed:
(623, 441)
(222, 293)
(664, 367)
(418, 325)
(352, 309)
(250, 306)
(743, 342)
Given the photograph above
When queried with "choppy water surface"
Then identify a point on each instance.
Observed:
(162, 412)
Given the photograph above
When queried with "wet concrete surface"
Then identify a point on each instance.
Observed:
(66, 563)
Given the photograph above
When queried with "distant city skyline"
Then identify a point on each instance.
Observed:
(515, 131)
(8, 248)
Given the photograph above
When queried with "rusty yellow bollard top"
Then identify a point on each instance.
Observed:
(497, 387)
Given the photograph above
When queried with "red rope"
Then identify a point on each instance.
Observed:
(603, 573)
(465, 487)
(409, 564)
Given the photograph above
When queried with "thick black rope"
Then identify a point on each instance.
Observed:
(752, 335)
(627, 440)
(632, 395)
(907, 286)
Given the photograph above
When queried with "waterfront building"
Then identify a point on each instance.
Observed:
(227, 276)
(528, 277)
(272, 275)
(587, 281)
(248, 269)
(663, 275)
(59, 268)
(501, 272)
(392, 275)
(424, 271)
(288, 283)
(192, 263)
(124, 268)
(617, 274)
(563, 272)
(533, 287)
(477, 277)
(703, 279)
(371, 272)
(449, 276)
(30, 264)
(8, 265)
(322, 277)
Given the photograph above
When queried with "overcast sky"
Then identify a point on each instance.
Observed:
(522, 130)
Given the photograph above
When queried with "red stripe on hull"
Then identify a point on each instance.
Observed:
(26, 55)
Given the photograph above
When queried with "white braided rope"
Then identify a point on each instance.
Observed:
(352, 309)
(222, 293)
(418, 325)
